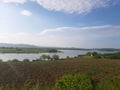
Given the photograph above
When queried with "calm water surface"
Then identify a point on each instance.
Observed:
(33, 56)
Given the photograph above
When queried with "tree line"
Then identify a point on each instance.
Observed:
(42, 57)
(48, 57)
(106, 56)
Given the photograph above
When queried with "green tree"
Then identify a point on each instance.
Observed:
(89, 54)
(43, 57)
(15, 60)
(94, 53)
(26, 60)
(52, 50)
(55, 57)
(48, 57)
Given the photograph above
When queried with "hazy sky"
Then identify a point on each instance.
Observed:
(64, 23)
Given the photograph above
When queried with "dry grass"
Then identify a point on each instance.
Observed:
(47, 72)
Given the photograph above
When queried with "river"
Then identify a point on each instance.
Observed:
(33, 56)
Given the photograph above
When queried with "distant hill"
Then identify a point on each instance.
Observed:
(9, 45)
(18, 45)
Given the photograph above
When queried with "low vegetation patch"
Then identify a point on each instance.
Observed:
(60, 74)
(74, 82)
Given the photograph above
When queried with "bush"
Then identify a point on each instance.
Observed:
(26, 60)
(74, 82)
(55, 57)
(1, 60)
(15, 60)
(91, 53)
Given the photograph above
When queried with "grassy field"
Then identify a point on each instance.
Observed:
(42, 75)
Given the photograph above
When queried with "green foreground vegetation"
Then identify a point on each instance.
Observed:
(86, 72)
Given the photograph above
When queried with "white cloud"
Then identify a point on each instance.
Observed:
(54, 30)
(82, 36)
(96, 30)
(26, 13)
(71, 6)
(86, 37)
(14, 1)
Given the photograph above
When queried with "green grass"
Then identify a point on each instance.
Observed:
(110, 83)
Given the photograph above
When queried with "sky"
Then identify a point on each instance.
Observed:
(61, 23)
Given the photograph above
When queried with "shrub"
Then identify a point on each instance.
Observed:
(91, 53)
(74, 82)
(55, 57)
(94, 53)
(1, 60)
(26, 60)
(15, 60)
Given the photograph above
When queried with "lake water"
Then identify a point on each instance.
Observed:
(33, 56)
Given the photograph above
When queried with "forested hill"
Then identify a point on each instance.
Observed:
(18, 45)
